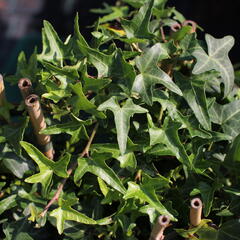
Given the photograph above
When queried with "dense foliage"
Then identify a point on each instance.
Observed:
(145, 115)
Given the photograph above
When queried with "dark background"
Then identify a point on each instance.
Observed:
(217, 17)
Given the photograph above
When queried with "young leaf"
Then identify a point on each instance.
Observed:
(150, 74)
(59, 167)
(138, 27)
(66, 213)
(217, 59)
(122, 117)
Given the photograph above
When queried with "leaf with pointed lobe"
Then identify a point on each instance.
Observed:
(66, 213)
(122, 117)
(217, 59)
(53, 47)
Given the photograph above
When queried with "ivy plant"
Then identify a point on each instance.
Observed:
(143, 117)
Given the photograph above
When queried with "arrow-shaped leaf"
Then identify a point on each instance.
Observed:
(217, 59)
(122, 117)
(46, 166)
(66, 213)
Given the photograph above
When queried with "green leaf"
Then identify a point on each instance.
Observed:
(101, 61)
(139, 26)
(150, 74)
(189, 122)
(59, 167)
(58, 112)
(193, 90)
(190, 232)
(70, 72)
(94, 84)
(82, 103)
(188, 45)
(97, 166)
(103, 186)
(122, 117)
(181, 33)
(57, 95)
(19, 230)
(53, 47)
(217, 59)
(77, 35)
(107, 148)
(234, 152)
(116, 12)
(229, 230)
(15, 163)
(46, 167)
(8, 203)
(146, 193)
(227, 116)
(207, 193)
(75, 126)
(169, 136)
(121, 71)
(25, 69)
(128, 160)
(66, 213)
